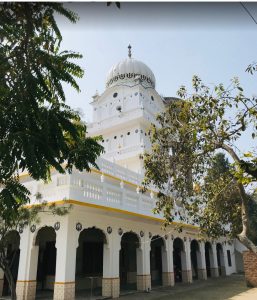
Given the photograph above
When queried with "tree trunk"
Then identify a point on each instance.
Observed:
(11, 281)
(243, 236)
(245, 221)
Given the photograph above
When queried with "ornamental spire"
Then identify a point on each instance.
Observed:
(129, 51)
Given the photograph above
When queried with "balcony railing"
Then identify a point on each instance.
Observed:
(112, 186)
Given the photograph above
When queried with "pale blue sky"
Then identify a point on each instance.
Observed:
(176, 40)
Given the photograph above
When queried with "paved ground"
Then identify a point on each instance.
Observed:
(226, 288)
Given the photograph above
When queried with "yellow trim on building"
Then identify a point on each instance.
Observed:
(113, 209)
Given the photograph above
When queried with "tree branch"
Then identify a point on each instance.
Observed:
(244, 206)
(247, 167)
(231, 152)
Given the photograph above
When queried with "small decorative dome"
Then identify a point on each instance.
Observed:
(130, 72)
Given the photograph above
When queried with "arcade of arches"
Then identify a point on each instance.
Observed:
(108, 262)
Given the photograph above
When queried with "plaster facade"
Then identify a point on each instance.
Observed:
(109, 223)
(111, 240)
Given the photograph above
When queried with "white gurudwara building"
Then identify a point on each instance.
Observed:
(111, 241)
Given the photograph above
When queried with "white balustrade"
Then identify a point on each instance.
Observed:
(97, 188)
(118, 171)
(130, 201)
(113, 196)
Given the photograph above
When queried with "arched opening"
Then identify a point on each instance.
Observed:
(45, 240)
(208, 255)
(13, 255)
(178, 247)
(89, 262)
(128, 261)
(157, 246)
(194, 259)
(220, 260)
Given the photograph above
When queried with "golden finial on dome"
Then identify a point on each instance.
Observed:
(129, 51)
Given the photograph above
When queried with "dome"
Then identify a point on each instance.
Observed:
(130, 72)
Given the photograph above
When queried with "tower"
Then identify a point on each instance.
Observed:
(123, 113)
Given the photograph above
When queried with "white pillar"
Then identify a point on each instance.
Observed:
(201, 263)
(186, 262)
(214, 261)
(27, 273)
(167, 263)
(224, 261)
(66, 248)
(143, 265)
(111, 266)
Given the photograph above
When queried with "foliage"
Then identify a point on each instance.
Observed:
(191, 131)
(252, 68)
(221, 213)
(38, 131)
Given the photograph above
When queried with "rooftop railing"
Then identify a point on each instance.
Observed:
(111, 186)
